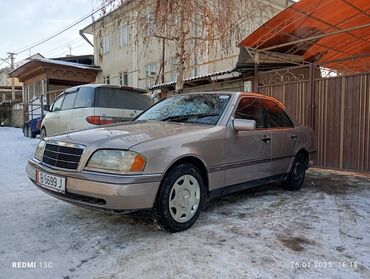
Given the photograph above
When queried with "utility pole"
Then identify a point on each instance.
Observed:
(12, 68)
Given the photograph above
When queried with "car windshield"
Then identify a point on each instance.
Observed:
(201, 109)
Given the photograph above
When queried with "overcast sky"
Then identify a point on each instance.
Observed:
(24, 22)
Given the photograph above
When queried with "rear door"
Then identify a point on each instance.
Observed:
(83, 107)
(248, 152)
(64, 122)
(283, 137)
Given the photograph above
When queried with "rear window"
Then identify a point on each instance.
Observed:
(120, 99)
(85, 97)
(276, 117)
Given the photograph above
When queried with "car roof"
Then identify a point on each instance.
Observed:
(102, 85)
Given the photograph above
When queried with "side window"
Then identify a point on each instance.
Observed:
(251, 108)
(57, 105)
(69, 101)
(85, 97)
(276, 117)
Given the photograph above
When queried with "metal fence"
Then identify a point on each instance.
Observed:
(337, 108)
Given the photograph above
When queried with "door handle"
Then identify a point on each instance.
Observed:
(266, 139)
(293, 136)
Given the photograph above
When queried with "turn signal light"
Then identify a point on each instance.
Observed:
(138, 164)
(99, 120)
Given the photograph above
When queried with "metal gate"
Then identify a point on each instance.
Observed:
(337, 108)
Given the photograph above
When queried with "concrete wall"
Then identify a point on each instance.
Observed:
(5, 80)
(17, 117)
(12, 114)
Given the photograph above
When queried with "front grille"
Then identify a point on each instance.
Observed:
(61, 156)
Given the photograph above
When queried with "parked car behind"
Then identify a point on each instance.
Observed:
(34, 114)
(177, 154)
(91, 105)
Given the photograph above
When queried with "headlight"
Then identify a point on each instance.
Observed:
(40, 150)
(117, 160)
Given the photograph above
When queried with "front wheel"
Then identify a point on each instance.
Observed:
(43, 133)
(31, 134)
(296, 176)
(25, 131)
(180, 199)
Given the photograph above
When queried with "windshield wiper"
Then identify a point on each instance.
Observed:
(184, 117)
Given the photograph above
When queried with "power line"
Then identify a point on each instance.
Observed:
(63, 29)
(4, 60)
(58, 53)
(76, 40)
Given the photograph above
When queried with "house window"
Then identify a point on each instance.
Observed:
(123, 79)
(195, 69)
(150, 74)
(106, 43)
(173, 68)
(106, 80)
(123, 35)
(150, 24)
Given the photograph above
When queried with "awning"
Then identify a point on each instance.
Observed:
(331, 33)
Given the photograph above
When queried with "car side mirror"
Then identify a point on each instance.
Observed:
(46, 108)
(240, 125)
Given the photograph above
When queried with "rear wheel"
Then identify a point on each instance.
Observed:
(180, 199)
(296, 176)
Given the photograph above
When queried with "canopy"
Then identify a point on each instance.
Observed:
(332, 33)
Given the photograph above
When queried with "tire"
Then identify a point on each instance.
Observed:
(30, 133)
(43, 133)
(25, 131)
(296, 176)
(180, 199)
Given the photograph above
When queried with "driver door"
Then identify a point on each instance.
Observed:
(248, 153)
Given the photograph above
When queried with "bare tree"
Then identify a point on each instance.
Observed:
(197, 25)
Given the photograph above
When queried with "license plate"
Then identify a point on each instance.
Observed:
(52, 182)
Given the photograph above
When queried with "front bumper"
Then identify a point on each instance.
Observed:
(106, 192)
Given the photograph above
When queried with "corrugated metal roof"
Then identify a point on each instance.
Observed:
(194, 78)
(66, 63)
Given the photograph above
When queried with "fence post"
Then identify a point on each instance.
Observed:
(42, 106)
(342, 111)
(311, 89)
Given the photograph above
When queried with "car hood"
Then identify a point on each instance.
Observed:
(126, 135)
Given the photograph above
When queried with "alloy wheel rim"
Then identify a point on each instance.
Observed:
(184, 198)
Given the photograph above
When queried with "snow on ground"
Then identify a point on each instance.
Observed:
(321, 231)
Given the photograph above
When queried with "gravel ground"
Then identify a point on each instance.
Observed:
(321, 231)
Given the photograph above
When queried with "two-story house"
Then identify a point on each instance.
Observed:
(126, 58)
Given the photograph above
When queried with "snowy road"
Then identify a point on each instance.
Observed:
(321, 231)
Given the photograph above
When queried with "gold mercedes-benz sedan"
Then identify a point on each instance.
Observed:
(174, 156)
